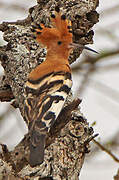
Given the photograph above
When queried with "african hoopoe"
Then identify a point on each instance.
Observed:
(49, 83)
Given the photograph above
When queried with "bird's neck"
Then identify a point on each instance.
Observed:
(57, 57)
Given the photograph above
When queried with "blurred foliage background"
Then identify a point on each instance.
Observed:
(95, 81)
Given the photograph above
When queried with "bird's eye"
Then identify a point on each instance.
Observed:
(59, 42)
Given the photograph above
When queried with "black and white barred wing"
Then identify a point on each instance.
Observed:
(45, 100)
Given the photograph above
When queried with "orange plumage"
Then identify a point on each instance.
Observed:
(50, 37)
(48, 84)
(57, 40)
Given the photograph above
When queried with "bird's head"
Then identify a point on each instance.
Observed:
(58, 38)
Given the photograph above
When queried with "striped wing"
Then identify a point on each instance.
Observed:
(45, 99)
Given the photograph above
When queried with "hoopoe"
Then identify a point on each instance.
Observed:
(49, 84)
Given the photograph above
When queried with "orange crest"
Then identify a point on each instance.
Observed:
(61, 32)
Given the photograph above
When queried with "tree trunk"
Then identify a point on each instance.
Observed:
(68, 141)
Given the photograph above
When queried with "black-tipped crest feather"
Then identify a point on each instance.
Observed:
(57, 9)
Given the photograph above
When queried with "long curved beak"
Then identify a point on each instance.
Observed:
(74, 45)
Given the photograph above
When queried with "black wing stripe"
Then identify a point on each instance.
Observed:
(49, 101)
(37, 81)
(54, 90)
(50, 115)
(65, 88)
(43, 88)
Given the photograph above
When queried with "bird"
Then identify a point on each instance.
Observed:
(49, 83)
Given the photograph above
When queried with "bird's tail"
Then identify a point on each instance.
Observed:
(37, 147)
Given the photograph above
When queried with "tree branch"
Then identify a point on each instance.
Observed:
(68, 140)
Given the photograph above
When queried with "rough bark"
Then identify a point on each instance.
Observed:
(68, 141)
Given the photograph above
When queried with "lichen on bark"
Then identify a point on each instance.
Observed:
(68, 140)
